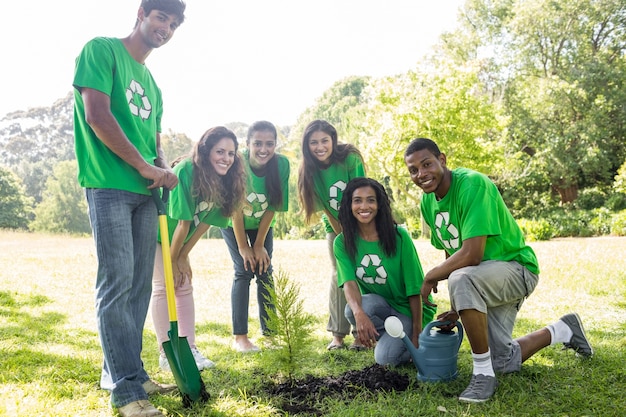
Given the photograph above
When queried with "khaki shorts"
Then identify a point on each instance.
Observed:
(497, 289)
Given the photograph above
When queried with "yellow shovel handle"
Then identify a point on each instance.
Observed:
(165, 249)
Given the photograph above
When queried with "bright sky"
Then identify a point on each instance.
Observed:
(232, 60)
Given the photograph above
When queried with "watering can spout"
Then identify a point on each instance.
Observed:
(436, 357)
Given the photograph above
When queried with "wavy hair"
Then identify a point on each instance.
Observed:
(386, 226)
(311, 166)
(225, 191)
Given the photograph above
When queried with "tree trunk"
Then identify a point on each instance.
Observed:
(568, 194)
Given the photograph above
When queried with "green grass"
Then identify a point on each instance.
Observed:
(50, 355)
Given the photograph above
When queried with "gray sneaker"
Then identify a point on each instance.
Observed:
(579, 341)
(480, 389)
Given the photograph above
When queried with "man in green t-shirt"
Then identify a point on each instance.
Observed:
(117, 121)
(489, 268)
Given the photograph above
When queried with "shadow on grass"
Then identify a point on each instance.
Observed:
(28, 335)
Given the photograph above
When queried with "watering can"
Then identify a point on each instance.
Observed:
(436, 357)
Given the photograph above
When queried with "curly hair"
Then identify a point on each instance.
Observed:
(225, 191)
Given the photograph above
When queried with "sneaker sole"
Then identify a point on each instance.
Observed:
(584, 336)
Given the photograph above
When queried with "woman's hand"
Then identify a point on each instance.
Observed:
(249, 261)
(184, 271)
(366, 331)
(262, 259)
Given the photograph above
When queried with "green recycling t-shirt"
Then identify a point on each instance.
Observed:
(394, 278)
(105, 65)
(474, 207)
(330, 182)
(183, 205)
(257, 196)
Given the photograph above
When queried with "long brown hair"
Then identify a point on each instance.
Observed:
(225, 191)
(310, 165)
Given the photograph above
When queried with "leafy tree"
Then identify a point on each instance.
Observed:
(444, 105)
(64, 208)
(175, 145)
(15, 212)
(39, 134)
(560, 67)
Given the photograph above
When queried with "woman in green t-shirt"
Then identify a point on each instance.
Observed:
(249, 237)
(327, 166)
(211, 187)
(379, 270)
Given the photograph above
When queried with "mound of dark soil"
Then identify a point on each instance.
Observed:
(300, 396)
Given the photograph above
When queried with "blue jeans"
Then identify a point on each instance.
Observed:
(389, 350)
(240, 292)
(124, 228)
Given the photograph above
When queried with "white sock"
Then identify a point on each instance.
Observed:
(482, 364)
(560, 332)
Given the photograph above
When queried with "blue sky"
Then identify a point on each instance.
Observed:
(235, 60)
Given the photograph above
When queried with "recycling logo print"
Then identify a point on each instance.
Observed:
(335, 193)
(202, 209)
(371, 271)
(138, 103)
(447, 233)
(258, 205)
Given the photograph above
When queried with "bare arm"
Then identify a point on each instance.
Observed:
(333, 222)
(415, 304)
(246, 252)
(180, 249)
(261, 256)
(99, 117)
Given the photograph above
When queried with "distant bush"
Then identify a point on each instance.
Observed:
(591, 198)
(616, 202)
(618, 224)
(536, 229)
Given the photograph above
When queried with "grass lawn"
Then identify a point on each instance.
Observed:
(50, 354)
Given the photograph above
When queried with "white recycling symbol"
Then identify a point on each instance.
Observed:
(442, 221)
(142, 109)
(202, 207)
(256, 210)
(334, 194)
(368, 261)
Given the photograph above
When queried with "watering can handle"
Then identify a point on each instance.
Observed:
(438, 323)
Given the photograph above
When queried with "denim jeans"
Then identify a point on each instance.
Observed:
(240, 292)
(124, 227)
(389, 350)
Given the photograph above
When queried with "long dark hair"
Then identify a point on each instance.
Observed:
(310, 164)
(272, 175)
(385, 223)
(225, 191)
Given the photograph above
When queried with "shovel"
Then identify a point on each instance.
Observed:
(177, 350)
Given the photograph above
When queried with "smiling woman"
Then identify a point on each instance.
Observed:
(366, 38)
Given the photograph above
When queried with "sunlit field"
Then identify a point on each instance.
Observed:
(50, 356)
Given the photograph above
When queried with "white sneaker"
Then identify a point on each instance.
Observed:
(164, 364)
(201, 361)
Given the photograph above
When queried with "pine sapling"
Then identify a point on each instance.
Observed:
(288, 322)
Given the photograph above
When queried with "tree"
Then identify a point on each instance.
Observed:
(175, 145)
(561, 68)
(64, 208)
(15, 212)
